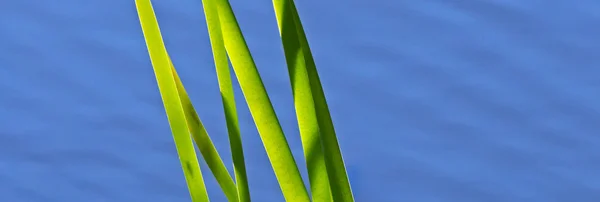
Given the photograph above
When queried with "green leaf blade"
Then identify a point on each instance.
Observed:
(260, 106)
(172, 103)
(304, 104)
(228, 99)
(308, 77)
(205, 144)
(327, 173)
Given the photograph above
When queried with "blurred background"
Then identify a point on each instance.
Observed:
(434, 100)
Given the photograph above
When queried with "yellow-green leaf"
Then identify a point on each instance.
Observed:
(314, 119)
(260, 106)
(204, 143)
(172, 103)
(227, 96)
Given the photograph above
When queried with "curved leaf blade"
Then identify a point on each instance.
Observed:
(304, 103)
(307, 86)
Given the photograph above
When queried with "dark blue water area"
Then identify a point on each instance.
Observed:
(434, 100)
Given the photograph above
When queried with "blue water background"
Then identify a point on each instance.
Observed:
(434, 100)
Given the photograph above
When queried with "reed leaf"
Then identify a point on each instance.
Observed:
(204, 143)
(227, 96)
(195, 126)
(323, 155)
(261, 109)
(170, 96)
(327, 174)
(304, 104)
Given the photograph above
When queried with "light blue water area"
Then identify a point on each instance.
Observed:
(434, 100)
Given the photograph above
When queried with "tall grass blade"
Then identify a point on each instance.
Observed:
(260, 106)
(306, 86)
(204, 143)
(227, 96)
(304, 103)
(172, 103)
